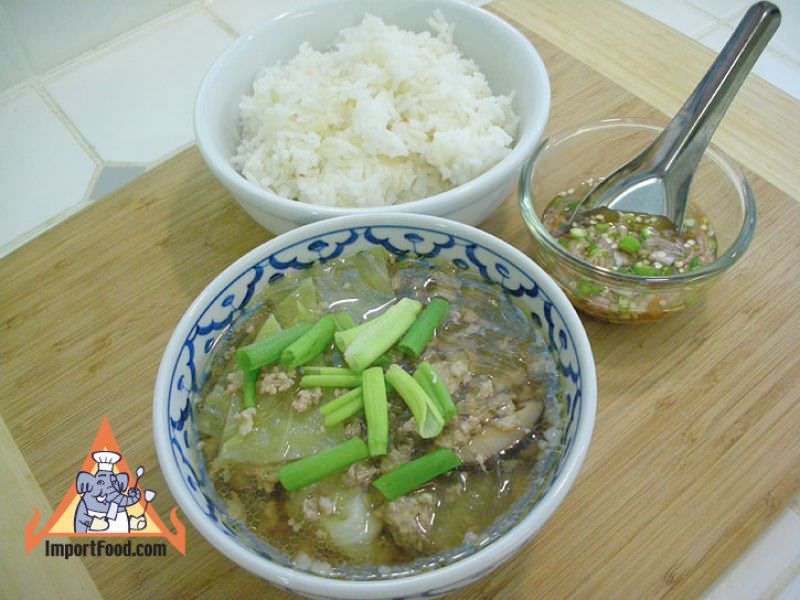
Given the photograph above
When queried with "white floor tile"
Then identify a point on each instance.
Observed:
(244, 15)
(768, 560)
(43, 170)
(791, 591)
(678, 15)
(787, 38)
(779, 71)
(14, 66)
(721, 9)
(133, 102)
(53, 32)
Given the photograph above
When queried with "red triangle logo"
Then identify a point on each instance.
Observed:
(131, 516)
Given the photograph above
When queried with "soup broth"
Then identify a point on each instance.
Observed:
(488, 352)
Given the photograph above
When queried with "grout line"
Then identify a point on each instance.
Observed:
(121, 39)
(39, 229)
(16, 90)
(123, 163)
(67, 122)
(171, 154)
(87, 193)
(782, 581)
(717, 18)
(704, 31)
(230, 29)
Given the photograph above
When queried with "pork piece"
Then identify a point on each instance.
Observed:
(360, 474)
(409, 520)
(306, 399)
(274, 381)
(398, 455)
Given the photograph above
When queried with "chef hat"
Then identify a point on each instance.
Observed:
(106, 460)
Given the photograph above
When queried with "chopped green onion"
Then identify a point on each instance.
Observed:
(646, 270)
(344, 338)
(310, 345)
(343, 321)
(384, 360)
(421, 332)
(629, 244)
(645, 232)
(586, 288)
(376, 410)
(269, 328)
(694, 263)
(690, 222)
(577, 233)
(432, 383)
(340, 401)
(345, 412)
(330, 381)
(311, 469)
(602, 227)
(411, 475)
(250, 380)
(313, 370)
(380, 334)
(423, 407)
(266, 352)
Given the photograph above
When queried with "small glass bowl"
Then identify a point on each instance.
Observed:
(571, 157)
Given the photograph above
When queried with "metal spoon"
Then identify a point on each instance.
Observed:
(657, 181)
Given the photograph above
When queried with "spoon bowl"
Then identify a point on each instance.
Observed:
(657, 181)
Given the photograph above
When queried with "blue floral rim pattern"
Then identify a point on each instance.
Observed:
(232, 302)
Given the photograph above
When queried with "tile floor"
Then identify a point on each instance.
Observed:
(114, 99)
(92, 108)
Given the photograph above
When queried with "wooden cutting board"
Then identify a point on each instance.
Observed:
(696, 446)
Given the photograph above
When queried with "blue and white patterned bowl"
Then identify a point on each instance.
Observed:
(187, 357)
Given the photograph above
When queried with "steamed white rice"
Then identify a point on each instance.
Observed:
(386, 116)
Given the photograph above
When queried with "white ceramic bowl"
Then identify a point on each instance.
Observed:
(506, 57)
(186, 362)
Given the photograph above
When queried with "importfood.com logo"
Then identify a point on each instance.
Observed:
(104, 502)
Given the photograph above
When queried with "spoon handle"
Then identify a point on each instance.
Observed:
(681, 144)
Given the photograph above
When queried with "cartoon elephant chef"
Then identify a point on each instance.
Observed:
(104, 502)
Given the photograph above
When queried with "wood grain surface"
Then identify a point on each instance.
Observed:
(695, 447)
(661, 66)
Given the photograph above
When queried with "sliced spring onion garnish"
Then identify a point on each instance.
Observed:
(313, 370)
(250, 380)
(311, 469)
(432, 383)
(340, 401)
(376, 410)
(330, 381)
(411, 475)
(309, 345)
(378, 335)
(417, 338)
(422, 406)
(346, 411)
(266, 352)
